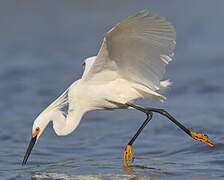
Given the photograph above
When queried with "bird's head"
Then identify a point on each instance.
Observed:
(38, 127)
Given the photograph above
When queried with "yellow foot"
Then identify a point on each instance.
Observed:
(127, 154)
(201, 138)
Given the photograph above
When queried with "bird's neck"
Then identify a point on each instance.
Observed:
(65, 113)
(66, 124)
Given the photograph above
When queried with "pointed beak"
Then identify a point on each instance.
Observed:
(29, 149)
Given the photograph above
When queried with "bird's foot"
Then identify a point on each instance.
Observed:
(128, 154)
(202, 138)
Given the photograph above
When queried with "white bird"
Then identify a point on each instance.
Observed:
(129, 66)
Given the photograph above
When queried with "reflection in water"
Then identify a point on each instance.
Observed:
(90, 177)
(129, 169)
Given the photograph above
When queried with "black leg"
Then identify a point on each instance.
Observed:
(160, 111)
(197, 136)
(149, 112)
(149, 117)
(128, 150)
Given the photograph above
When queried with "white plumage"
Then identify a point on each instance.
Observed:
(129, 66)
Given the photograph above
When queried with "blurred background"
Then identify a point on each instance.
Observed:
(42, 48)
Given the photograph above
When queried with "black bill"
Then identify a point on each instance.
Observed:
(29, 149)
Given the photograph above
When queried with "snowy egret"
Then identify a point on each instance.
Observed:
(129, 66)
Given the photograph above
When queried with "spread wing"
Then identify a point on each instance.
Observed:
(137, 49)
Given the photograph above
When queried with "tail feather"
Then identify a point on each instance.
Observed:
(148, 93)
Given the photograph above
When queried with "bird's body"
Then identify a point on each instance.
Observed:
(83, 96)
(130, 65)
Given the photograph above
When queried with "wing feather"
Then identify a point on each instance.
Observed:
(137, 49)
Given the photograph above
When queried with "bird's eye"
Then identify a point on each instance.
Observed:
(84, 65)
(37, 129)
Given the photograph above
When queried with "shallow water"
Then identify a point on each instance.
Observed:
(42, 48)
